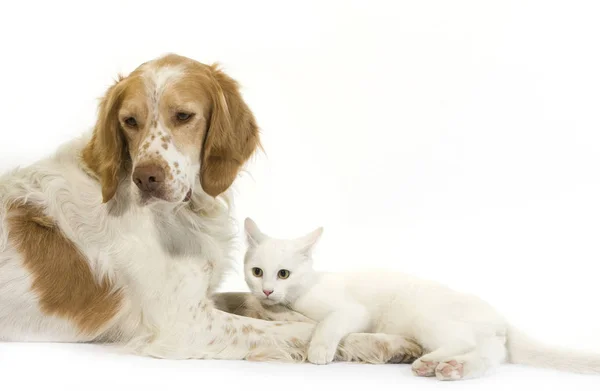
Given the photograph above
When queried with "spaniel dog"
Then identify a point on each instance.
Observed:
(124, 235)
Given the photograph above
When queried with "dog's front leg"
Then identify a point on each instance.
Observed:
(214, 334)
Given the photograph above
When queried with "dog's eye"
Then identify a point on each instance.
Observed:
(131, 122)
(183, 117)
(283, 274)
(257, 272)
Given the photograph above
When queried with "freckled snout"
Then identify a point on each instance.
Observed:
(149, 177)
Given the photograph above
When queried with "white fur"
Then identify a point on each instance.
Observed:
(462, 335)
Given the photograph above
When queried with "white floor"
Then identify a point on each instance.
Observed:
(86, 367)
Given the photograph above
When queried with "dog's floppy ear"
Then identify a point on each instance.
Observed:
(107, 149)
(232, 135)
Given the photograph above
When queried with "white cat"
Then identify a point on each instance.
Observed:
(462, 336)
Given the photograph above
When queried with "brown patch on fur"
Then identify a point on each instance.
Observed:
(232, 135)
(165, 139)
(229, 329)
(173, 60)
(176, 164)
(43, 221)
(247, 329)
(62, 278)
(165, 145)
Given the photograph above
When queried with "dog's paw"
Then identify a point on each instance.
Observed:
(320, 354)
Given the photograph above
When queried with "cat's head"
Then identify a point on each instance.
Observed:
(277, 270)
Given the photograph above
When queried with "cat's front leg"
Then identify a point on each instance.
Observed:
(330, 331)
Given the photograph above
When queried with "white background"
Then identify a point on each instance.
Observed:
(457, 140)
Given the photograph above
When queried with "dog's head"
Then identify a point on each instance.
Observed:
(169, 125)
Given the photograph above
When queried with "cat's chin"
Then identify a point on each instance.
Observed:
(269, 302)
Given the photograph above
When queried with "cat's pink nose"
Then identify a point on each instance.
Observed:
(266, 292)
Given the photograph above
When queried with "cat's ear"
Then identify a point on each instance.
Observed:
(306, 244)
(253, 233)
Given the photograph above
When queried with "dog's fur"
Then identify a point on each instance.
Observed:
(87, 256)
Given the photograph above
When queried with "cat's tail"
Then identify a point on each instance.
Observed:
(523, 349)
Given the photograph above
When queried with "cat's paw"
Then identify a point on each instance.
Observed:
(320, 354)
(424, 368)
(449, 370)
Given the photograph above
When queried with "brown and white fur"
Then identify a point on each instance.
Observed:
(124, 235)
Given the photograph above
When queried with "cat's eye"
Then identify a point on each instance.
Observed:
(283, 274)
(257, 272)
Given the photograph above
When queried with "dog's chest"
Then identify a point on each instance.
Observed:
(174, 247)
